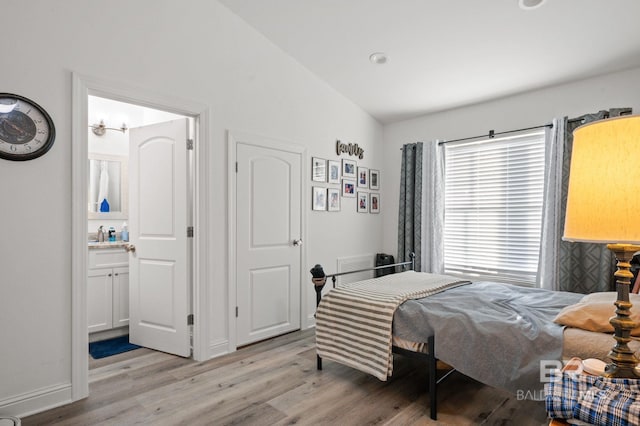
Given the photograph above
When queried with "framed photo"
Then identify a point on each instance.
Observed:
(334, 171)
(333, 199)
(363, 202)
(348, 188)
(319, 198)
(348, 169)
(318, 169)
(374, 202)
(374, 179)
(363, 177)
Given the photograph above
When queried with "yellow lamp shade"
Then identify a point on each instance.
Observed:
(603, 200)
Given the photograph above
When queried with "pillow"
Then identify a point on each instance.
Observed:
(594, 310)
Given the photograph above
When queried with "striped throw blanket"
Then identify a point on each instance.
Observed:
(354, 321)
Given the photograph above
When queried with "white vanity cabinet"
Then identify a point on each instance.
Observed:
(107, 289)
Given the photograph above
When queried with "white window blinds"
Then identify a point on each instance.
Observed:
(493, 208)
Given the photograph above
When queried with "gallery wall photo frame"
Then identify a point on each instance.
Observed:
(363, 177)
(333, 171)
(319, 198)
(318, 169)
(363, 202)
(374, 202)
(333, 199)
(348, 169)
(349, 188)
(374, 179)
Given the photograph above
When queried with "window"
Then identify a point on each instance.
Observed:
(493, 208)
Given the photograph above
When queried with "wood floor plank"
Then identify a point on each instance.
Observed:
(245, 358)
(222, 402)
(276, 383)
(128, 365)
(512, 408)
(101, 362)
(319, 399)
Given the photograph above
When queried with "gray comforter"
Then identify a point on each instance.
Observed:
(494, 333)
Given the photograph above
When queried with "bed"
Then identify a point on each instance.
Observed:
(467, 325)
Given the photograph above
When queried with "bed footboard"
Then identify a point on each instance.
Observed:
(319, 280)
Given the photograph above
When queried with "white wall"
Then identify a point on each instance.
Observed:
(515, 112)
(192, 49)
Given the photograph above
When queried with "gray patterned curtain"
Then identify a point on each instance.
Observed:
(583, 267)
(410, 214)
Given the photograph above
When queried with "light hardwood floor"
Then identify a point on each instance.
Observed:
(276, 383)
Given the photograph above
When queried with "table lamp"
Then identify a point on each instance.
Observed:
(603, 206)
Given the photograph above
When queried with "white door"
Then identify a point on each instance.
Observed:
(159, 287)
(268, 220)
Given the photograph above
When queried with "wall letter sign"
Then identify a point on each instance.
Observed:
(349, 148)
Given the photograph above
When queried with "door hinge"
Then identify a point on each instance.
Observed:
(236, 312)
(190, 144)
(190, 319)
(236, 167)
(189, 231)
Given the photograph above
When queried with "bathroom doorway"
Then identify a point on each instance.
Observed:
(115, 129)
(105, 113)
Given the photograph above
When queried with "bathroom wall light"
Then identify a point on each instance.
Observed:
(100, 129)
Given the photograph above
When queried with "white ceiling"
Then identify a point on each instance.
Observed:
(447, 53)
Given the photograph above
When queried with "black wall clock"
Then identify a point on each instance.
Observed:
(26, 130)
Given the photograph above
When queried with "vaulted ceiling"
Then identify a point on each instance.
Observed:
(443, 54)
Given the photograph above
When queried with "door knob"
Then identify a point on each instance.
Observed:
(297, 242)
(130, 248)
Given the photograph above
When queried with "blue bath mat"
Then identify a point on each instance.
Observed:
(110, 347)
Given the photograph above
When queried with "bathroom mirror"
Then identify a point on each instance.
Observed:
(108, 196)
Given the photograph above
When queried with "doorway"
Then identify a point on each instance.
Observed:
(137, 155)
(154, 105)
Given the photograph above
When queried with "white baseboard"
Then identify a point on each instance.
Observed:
(36, 401)
(311, 322)
(108, 334)
(219, 348)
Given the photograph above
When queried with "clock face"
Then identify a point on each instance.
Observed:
(26, 130)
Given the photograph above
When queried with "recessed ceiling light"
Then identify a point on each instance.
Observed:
(530, 4)
(378, 58)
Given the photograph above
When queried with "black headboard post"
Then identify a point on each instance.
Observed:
(319, 278)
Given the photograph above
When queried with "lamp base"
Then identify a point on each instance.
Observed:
(623, 361)
(613, 370)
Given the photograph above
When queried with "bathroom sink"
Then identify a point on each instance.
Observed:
(96, 243)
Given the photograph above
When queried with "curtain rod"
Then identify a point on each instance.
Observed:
(493, 133)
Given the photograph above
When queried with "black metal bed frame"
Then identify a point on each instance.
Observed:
(430, 357)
